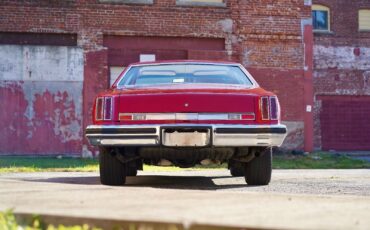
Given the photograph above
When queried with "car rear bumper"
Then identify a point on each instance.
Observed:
(200, 135)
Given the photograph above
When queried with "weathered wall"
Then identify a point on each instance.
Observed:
(267, 36)
(41, 94)
(272, 43)
(341, 60)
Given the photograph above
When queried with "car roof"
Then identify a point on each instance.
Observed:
(185, 62)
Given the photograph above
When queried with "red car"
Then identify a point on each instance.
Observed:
(185, 113)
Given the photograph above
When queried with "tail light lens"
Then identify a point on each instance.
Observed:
(125, 117)
(99, 108)
(104, 108)
(270, 108)
(108, 108)
(248, 116)
(274, 108)
(265, 108)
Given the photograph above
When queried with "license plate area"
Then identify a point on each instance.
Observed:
(186, 137)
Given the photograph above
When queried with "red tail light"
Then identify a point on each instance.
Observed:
(270, 108)
(104, 108)
(99, 108)
(264, 106)
(248, 116)
(125, 117)
(108, 108)
(274, 108)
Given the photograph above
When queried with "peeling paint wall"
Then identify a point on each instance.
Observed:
(341, 72)
(341, 57)
(41, 93)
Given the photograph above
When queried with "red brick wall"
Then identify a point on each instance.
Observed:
(341, 59)
(264, 35)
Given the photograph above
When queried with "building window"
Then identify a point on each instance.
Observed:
(320, 18)
(144, 2)
(216, 3)
(364, 20)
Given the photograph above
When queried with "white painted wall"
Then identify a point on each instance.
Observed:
(115, 71)
(54, 73)
(41, 63)
(341, 57)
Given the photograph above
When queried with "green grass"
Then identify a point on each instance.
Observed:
(319, 160)
(50, 164)
(8, 221)
(282, 161)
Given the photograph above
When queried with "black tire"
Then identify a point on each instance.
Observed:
(236, 168)
(258, 171)
(131, 169)
(112, 171)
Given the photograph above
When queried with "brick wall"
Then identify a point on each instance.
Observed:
(341, 58)
(267, 36)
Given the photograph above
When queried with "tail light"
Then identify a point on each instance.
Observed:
(274, 108)
(99, 108)
(270, 108)
(104, 108)
(265, 107)
(108, 108)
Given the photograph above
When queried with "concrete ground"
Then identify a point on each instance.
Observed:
(295, 199)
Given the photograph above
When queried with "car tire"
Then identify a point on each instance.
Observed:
(131, 170)
(258, 171)
(236, 168)
(112, 171)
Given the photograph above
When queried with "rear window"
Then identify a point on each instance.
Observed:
(184, 74)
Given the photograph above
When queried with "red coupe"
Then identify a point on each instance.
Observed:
(185, 113)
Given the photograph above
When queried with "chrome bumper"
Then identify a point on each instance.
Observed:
(219, 135)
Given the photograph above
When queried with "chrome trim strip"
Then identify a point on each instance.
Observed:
(188, 116)
(159, 116)
(213, 116)
(122, 142)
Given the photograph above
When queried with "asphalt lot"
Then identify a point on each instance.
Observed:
(295, 199)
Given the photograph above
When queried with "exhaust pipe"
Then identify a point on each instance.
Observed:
(164, 162)
(209, 161)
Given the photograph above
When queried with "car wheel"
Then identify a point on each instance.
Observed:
(131, 169)
(112, 171)
(236, 168)
(258, 171)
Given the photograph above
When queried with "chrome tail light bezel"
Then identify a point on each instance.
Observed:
(274, 115)
(269, 108)
(265, 108)
(101, 113)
